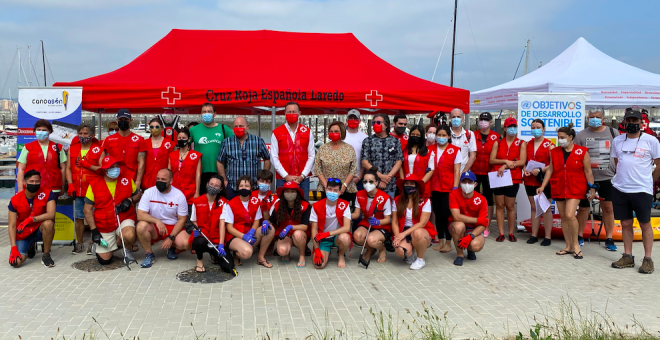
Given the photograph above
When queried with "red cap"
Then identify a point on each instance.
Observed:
(510, 121)
(412, 177)
(109, 161)
(289, 185)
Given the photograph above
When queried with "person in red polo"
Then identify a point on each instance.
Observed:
(128, 147)
(290, 218)
(292, 150)
(469, 213)
(31, 220)
(110, 211)
(331, 225)
(43, 156)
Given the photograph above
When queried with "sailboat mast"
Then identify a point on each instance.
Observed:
(43, 57)
(526, 56)
(453, 45)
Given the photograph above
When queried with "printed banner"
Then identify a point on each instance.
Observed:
(555, 109)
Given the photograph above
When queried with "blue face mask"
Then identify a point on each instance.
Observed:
(263, 187)
(207, 118)
(112, 132)
(595, 122)
(332, 196)
(41, 135)
(455, 122)
(114, 172)
(537, 132)
(512, 131)
(441, 140)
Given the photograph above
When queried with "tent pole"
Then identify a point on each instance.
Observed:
(259, 122)
(272, 115)
(100, 123)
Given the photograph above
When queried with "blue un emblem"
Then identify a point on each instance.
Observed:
(526, 104)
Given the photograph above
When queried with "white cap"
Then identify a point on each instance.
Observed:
(354, 112)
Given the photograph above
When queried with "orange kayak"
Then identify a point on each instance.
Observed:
(616, 235)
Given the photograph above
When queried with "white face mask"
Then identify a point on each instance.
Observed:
(562, 142)
(369, 187)
(467, 188)
(430, 137)
(484, 124)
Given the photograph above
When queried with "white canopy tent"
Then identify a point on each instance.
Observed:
(609, 83)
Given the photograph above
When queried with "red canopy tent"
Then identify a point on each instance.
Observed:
(248, 69)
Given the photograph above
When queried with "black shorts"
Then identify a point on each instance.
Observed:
(510, 191)
(484, 183)
(625, 204)
(386, 234)
(531, 191)
(604, 191)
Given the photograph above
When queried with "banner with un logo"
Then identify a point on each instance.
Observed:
(554, 109)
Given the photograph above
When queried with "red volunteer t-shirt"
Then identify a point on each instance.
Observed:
(476, 206)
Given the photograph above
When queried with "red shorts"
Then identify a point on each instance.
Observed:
(160, 237)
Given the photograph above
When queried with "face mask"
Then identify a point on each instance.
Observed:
(562, 142)
(400, 130)
(114, 172)
(155, 132)
(334, 136)
(84, 140)
(455, 122)
(239, 131)
(212, 191)
(353, 123)
(415, 140)
(442, 140)
(290, 196)
(430, 138)
(182, 143)
(112, 132)
(378, 128)
(467, 187)
(244, 192)
(631, 128)
(263, 187)
(332, 196)
(161, 186)
(32, 187)
(369, 187)
(123, 125)
(595, 122)
(512, 131)
(41, 135)
(207, 118)
(537, 132)
(409, 190)
(484, 124)
(291, 118)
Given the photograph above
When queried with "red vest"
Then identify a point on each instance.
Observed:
(415, 219)
(51, 174)
(319, 208)
(481, 164)
(402, 139)
(512, 154)
(184, 173)
(23, 210)
(292, 154)
(125, 149)
(443, 176)
(568, 179)
(243, 219)
(154, 163)
(289, 219)
(541, 155)
(268, 200)
(105, 216)
(419, 167)
(208, 217)
(377, 204)
(93, 155)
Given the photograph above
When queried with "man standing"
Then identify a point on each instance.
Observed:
(464, 139)
(400, 122)
(384, 152)
(634, 154)
(242, 154)
(292, 150)
(598, 138)
(355, 137)
(207, 138)
(126, 146)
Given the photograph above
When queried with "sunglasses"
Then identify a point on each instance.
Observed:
(371, 181)
(334, 180)
(154, 127)
(376, 123)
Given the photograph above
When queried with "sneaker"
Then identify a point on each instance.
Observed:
(458, 261)
(47, 261)
(580, 241)
(626, 261)
(609, 244)
(500, 238)
(471, 255)
(512, 238)
(546, 242)
(647, 266)
(79, 248)
(32, 250)
(532, 240)
(149, 259)
(90, 251)
(171, 254)
(129, 256)
(412, 258)
(418, 264)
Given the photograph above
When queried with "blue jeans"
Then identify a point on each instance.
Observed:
(79, 205)
(24, 244)
(231, 193)
(304, 185)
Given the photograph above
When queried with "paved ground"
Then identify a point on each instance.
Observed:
(507, 284)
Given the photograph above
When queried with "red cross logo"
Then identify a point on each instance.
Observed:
(193, 156)
(342, 206)
(405, 137)
(54, 148)
(124, 181)
(135, 138)
(493, 137)
(517, 142)
(96, 150)
(578, 152)
(171, 204)
(167, 145)
(170, 95)
(477, 200)
(373, 98)
(221, 203)
(379, 199)
(546, 144)
(450, 151)
(254, 200)
(107, 159)
(303, 129)
(289, 183)
(42, 195)
(168, 132)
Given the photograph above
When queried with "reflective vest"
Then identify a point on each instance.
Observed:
(184, 173)
(320, 210)
(510, 153)
(481, 164)
(24, 210)
(402, 139)
(268, 200)
(443, 176)
(154, 163)
(542, 155)
(292, 154)
(105, 216)
(243, 219)
(82, 176)
(375, 209)
(51, 174)
(208, 217)
(419, 167)
(415, 219)
(125, 149)
(289, 219)
(568, 179)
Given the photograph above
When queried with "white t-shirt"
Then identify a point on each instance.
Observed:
(165, 207)
(409, 222)
(228, 215)
(466, 146)
(355, 140)
(458, 159)
(331, 222)
(411, 162)
(387, 208)
(635, 163)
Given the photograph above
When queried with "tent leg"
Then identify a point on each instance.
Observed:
(273, 186)
(259, 123)
(100, 126)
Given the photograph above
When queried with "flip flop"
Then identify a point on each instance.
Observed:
(303, 266)
(198, 271)
(563, 252)
(578, 256)
(265, 264)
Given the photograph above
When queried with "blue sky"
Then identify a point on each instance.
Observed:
(84, 38)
